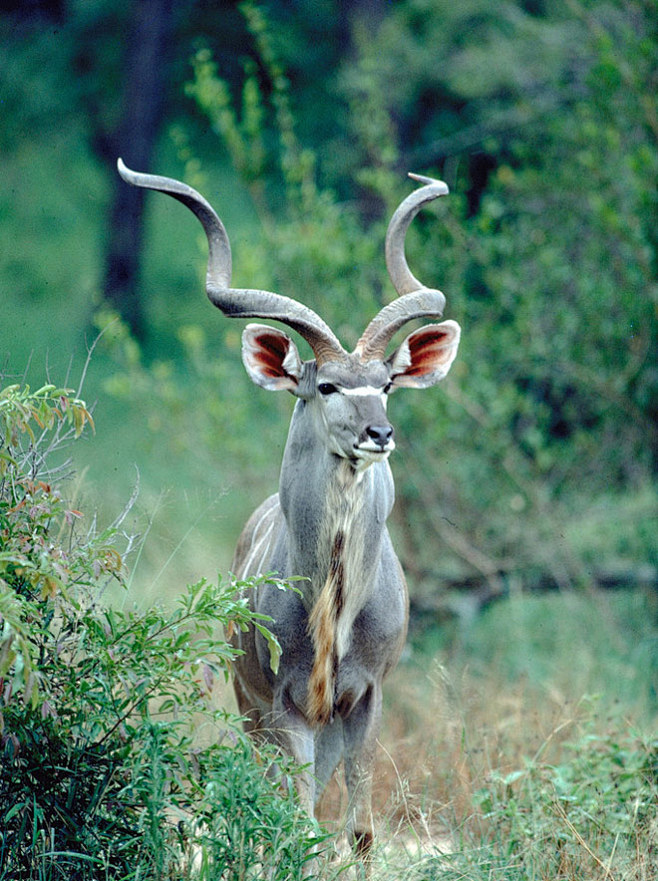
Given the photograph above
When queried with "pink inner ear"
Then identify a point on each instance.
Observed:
(428, 348)
(270, 354)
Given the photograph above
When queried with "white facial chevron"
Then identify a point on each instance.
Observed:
(361, 391)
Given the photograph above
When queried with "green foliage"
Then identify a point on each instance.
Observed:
(521, 637)
(590, 817)
(107, 768)
(103, 771)
(319, 242)
(534, 740)
(550, 267)
(33, 570)
(553, 272)
(542, 119)
(248, 829)
(207, 430)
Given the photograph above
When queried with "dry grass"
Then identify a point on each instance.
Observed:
(440, 742)
(452, 732)
(456, 726)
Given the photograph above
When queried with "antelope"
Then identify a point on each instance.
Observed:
(343, 630)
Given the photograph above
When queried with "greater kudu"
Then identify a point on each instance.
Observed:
(343, 631)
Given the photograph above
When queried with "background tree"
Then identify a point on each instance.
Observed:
(146, 69)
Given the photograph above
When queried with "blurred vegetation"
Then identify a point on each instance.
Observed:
(542, 118)
(532, 466)
(526, 744)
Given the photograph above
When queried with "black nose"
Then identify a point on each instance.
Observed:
(381, 434)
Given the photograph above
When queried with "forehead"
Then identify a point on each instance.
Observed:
(354, 374)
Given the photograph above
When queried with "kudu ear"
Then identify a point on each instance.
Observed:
(424, 358)
(271, 358)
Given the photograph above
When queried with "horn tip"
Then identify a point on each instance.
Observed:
(126, 173)
(430, 181)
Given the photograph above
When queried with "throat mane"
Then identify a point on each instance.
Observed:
(342, 588)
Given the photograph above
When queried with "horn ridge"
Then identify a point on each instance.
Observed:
(415, 300)
(265, 304)
(219, 248)
(239, 302)
(403, 280)
(424, 303)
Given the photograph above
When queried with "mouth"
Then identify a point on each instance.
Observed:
(372, 452)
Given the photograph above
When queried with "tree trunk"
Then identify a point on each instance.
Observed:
(146, 71)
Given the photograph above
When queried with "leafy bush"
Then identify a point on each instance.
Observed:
(103, 773)
(522, 783)
(548, 259)
(589, 817)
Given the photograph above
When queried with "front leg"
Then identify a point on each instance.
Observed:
(296, 739)
(361, 728)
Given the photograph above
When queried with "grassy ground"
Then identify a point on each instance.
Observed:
(524, 750)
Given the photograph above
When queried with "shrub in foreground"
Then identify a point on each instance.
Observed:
(103, 773)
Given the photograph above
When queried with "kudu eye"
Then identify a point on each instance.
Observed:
(326, 388)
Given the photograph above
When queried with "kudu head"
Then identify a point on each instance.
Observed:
(345, 392)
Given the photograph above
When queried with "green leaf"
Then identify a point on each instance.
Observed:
(272, 644)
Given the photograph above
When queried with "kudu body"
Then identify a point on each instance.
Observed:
(343, 630)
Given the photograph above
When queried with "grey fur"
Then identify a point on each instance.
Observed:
(344, 631)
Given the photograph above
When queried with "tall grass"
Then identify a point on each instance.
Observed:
(524, 747)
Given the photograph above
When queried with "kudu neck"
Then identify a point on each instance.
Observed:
(331, 508)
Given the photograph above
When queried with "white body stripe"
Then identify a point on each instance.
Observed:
(260, 544)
